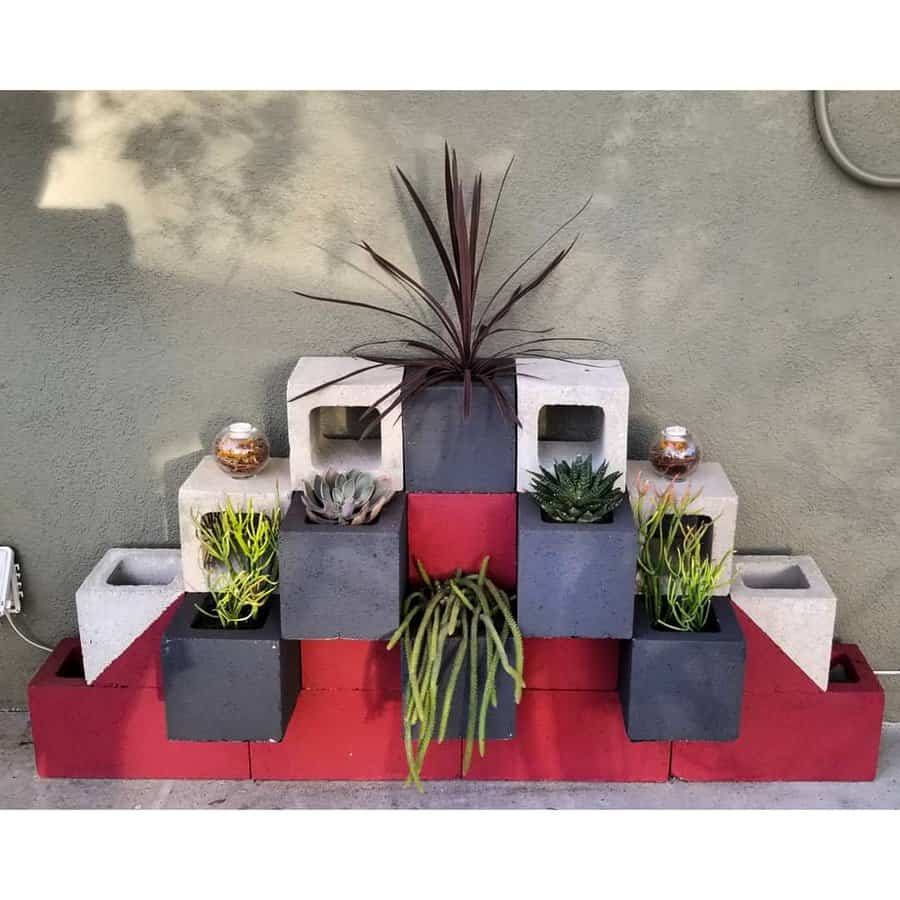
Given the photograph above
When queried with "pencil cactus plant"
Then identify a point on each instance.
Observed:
(473, 607)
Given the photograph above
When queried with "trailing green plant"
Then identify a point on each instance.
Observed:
(240, 552)
(345, 498)
(676, 578)
(574, 492)
(472, 606)
(454, 347)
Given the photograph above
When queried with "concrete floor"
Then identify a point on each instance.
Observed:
(20, 788)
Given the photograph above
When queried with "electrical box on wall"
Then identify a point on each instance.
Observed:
(10, 582)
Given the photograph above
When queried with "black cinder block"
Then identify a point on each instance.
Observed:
(683, 686)
(442, 452)
(500, 721)
(576, 580)
(227, 684)
(342, 581)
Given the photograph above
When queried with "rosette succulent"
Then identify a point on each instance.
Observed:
(574, 492)
(345, 498)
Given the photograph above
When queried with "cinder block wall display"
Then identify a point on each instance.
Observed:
(750, 295)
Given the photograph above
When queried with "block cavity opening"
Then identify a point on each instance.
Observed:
(336, 439)
(775, 578)
(138, 571)
(566, 431)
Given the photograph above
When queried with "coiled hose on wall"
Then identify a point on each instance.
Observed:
(820, 104)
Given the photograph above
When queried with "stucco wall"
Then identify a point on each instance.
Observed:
(147, 242)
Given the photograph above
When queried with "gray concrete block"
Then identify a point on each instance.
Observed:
(124, 594)
(568, 409)
(313, 448)
(442, 452)
(342, 581)
(500, 721)
(575, 580)
(682, 686)
(790, 600)
(227, 685)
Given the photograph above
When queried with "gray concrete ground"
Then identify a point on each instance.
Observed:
(20, 788)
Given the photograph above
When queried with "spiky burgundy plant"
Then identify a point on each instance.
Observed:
(455, 346)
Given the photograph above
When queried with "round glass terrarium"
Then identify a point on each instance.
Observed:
(675, 454)
(241, 450)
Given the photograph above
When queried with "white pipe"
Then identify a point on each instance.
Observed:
(820, 103)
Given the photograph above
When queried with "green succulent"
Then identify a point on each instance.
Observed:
(345, 498)
(574, 492)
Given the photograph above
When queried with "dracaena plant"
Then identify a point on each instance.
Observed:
(453, 343)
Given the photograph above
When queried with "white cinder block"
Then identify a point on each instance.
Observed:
(717, 500)
(316, 422)
(570, 408)
(205, 491)
(125, 593)
(790, 600)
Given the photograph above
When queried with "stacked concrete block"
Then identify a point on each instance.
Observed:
(124, 594)
(790, 600)
(568, 408)
(717, 501)
(206, 490)
(324, 428)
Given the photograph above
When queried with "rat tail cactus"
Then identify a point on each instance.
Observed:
(345, 498)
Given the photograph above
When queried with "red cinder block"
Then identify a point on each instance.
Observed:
(347, 735)
(342, 665)
(798, 736)
(570, 736)
(139, 665)
(571, 664)
(456, 531)
(768, 668)
(113, 732)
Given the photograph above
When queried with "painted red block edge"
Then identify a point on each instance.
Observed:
(801, 736)
(571, 664)
(139, 664)
(768, 668)
(571, 736)
(451, 531)
(344, 665)
(114, 732)
(347, 736)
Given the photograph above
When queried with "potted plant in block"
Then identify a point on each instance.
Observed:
(576, 559)
(227, 673)
(460, 368)
(682, 673)
(342, 552)
(462, 664)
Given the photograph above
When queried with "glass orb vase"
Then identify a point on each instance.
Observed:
(675, 454)
(241, 450)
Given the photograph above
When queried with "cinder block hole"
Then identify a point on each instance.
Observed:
(842, 671)
(207, 623)
(209, 521)
(565, 431)
(134, 571)
(335, 438)
(768, 578)
(72, 666)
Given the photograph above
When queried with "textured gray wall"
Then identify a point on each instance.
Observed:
(746, 284)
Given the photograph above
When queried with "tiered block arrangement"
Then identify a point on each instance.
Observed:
(791, 705)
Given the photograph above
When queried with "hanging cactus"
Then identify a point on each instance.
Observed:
(470, 605)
